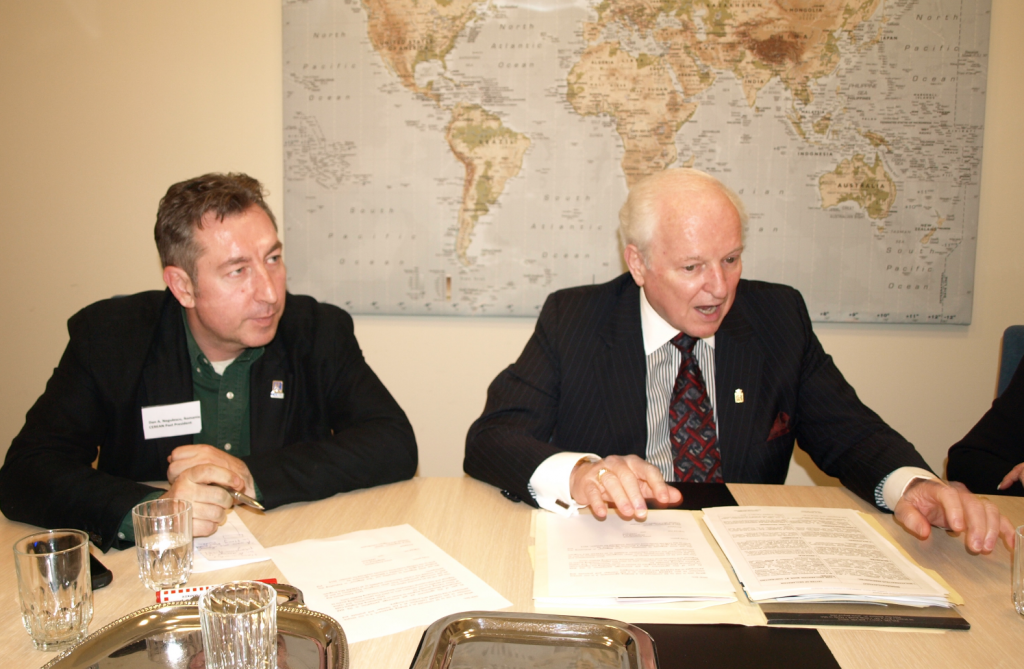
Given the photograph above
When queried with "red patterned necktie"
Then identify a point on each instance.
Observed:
(694, 438)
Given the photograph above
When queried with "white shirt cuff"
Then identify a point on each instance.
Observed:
(550, 482)
(897, 483)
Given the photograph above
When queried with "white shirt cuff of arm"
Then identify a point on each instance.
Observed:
(898, 481)
(550, 482)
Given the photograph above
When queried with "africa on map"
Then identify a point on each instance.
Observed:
(466, 157)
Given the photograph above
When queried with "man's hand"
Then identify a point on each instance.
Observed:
(210, 503)
(1016, 474)
(623, 481)
(185, 457)
(930, 502)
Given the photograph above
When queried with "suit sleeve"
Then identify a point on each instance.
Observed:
(513, 435)
(370, 442)
(995, 445)
(47, 478)
(844, 437)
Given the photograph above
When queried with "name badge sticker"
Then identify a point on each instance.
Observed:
(172, 420)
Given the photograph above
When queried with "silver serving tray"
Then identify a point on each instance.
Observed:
(488, 640)
(168, 635)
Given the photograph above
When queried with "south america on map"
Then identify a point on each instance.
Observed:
(469, 157)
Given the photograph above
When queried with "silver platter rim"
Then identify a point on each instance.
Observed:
(117, 634)
(435, 651)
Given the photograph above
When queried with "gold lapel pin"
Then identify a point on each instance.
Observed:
(738, 395)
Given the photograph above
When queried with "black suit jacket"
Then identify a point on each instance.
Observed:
(995, 445)
(336, 429)
(579, 385)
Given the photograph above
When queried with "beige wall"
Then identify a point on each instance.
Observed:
(105, 104)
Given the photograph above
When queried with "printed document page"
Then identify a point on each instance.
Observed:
(664, 558)
(232, 545)
(807, 554)
(379, 582)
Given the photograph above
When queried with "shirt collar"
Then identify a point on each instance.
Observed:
(199, 359)
(656, 330)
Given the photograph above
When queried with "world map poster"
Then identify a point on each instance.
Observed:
(469, 157)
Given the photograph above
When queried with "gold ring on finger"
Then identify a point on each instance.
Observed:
(601, 472)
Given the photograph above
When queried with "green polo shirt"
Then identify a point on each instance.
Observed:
(223, 398)
(224, 406)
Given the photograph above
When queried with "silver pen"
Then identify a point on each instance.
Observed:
(242, 498)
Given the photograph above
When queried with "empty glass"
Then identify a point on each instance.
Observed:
(239, 621)
(55, 587)
(1017, 580)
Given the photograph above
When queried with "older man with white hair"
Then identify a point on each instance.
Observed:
(680, 370)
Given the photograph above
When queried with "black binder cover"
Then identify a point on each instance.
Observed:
(697, 496)
(864, 615)
(738, 647)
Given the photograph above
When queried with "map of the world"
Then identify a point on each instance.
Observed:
(470, 156)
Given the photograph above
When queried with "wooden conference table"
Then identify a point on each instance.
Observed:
(473, 523)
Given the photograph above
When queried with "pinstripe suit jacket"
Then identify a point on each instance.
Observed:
(579, 385)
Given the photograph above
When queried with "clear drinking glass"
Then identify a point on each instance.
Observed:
(55, 587)
(1017, 581)
(163, 542)
(239, 621)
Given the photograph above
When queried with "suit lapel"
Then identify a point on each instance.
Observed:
(622, 371)
(167, 374)
(268, 415)
(738, 364)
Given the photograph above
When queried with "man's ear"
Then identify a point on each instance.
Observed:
(181, 286)
(635, 263)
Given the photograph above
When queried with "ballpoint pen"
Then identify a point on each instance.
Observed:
(242, 498)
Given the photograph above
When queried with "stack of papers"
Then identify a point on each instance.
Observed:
(783, 554)
(591, 563)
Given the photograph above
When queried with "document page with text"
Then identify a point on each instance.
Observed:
(814, 555)
(664, 558)
(378, 582)
(232, 545)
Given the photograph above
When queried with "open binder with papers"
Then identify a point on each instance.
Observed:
(802, 565)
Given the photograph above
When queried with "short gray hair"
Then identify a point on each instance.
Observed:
(638, 215)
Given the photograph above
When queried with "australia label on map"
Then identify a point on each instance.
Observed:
(469, 157)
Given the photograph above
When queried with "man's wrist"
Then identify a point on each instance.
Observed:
(897, 482)
(551, 482)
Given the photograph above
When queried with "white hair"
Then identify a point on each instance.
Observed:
(639, 214)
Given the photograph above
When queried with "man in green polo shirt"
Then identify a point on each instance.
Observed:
(222, 390)
(212, 385)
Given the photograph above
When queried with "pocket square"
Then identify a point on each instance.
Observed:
(780, 427)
